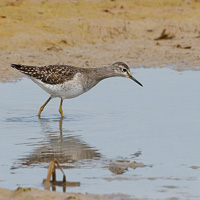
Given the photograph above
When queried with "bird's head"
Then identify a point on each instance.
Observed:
(121, 69)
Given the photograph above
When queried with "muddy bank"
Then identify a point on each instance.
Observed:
(30, 193)
(99, 33)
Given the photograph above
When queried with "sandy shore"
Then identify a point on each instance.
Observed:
(34, 194)
(96, 33)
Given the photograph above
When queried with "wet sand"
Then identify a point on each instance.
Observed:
(30, 193)
(99, 33)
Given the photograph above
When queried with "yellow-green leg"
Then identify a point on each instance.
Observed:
(42, 107)
(60, 125)
(60, 108)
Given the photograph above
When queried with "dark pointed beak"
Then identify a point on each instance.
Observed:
(131, 77)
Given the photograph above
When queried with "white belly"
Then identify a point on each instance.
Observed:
(66, 90)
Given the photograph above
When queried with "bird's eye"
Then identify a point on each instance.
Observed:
(124, 70)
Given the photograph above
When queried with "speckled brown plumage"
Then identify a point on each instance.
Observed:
(52, 74)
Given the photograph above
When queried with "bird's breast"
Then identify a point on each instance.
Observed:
(68, 89)
(72, 88)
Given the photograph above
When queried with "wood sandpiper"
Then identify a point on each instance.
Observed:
(66, 82)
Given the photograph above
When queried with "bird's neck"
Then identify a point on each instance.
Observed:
(95, 75)
(102, 73)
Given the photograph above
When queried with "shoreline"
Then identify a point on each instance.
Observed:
(36, 194)
(112, 31)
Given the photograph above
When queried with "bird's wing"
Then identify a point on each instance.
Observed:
(52, 74)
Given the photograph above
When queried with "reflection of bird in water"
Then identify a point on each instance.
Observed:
(66, 148)
(68, 82)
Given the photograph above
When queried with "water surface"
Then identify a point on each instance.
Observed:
(157, 125)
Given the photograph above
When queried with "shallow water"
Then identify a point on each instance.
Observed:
(157, 125)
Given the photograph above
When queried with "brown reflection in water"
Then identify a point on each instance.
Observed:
(52, 183)
(64, 147)
(121, 166)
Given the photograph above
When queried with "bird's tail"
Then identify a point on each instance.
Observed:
(16, 66)
(28, 70)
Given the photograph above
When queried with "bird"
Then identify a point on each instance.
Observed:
(66, 81)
